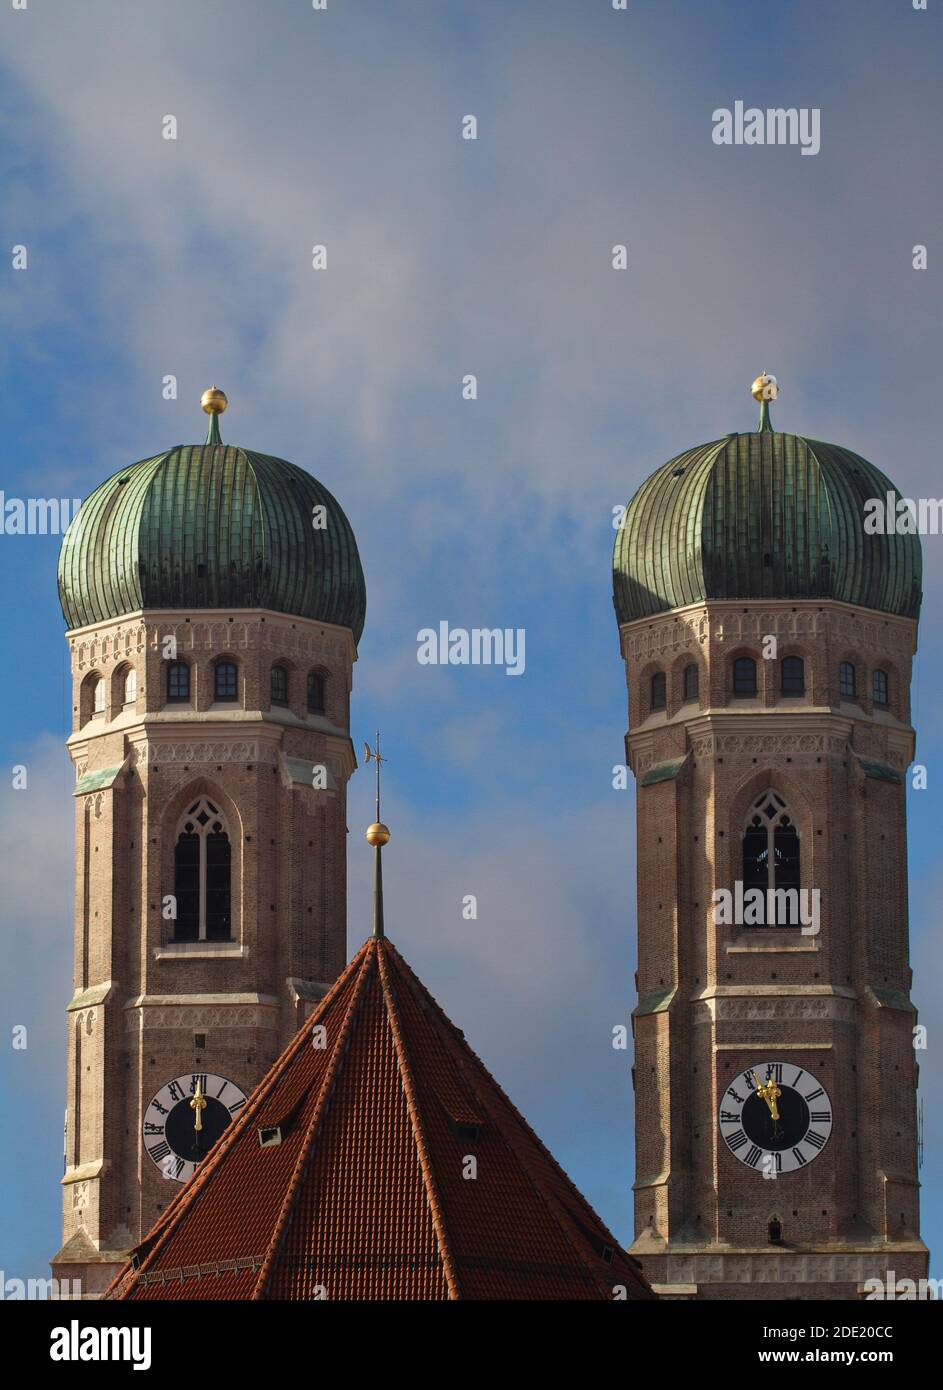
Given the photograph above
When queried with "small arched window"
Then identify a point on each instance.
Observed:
(771, 849)
(130, 686)
(224, 681)
(847, 682)
(744, 676)
(689, 683)
(659, 690)
(315, 692)
(279, 685)
(98, 696)
(202, 860)
(792, 676)
(879, 688)
(178, 682)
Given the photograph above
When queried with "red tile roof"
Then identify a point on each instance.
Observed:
(383, 1110)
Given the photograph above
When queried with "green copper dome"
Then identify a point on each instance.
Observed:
(211, 526)
(761, 516)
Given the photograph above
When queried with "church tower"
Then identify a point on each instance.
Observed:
(768, 640)
(214, 599)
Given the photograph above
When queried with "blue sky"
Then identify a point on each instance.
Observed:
(193, 257)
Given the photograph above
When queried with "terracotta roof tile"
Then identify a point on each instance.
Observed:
(368, 1193)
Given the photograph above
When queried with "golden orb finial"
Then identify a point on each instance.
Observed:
(377, 833)
(765, 388)
(214, 401)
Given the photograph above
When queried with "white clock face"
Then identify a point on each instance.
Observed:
(185, 1119)
(774, 1116)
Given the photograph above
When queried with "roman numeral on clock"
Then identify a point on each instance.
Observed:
(737, 1141)
(821, 1117)
(814, 1095)
(799, 1156)
(237, 1106)
(727, 1117)
(732, 1092)
(814, 1138)
(754, 1155)
(159, 1152)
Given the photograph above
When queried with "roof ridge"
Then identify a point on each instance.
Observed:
(457, 1045)
(415, 1115)
(328, 1082)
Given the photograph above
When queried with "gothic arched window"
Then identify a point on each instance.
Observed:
(130, 686)
(315, 692)
(202, 859)
(770, 845)
(744, 676)
(225, 679)
(98, 703)
(847, 684)
(178, 682)
(879, 688)
(659, 689)
(689, 683)
(792, 676)
(279, 685)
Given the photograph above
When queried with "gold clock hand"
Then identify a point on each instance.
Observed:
(198, 1104)
(770, 1093)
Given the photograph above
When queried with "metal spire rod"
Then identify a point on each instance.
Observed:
(377, 835)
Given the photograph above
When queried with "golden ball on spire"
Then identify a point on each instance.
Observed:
(214, 401)
(765, 388)
(377, 833)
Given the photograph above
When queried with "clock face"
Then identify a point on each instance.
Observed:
(775, 1115)
(185, 1119)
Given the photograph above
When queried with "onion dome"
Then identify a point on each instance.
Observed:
(212, 526)
(762, 516)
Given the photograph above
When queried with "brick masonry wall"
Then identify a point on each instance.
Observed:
(715, 999)
(143, 1004)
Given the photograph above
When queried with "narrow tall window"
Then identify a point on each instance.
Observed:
(315, 692)
(279, 685)
(771, 850)
(202, 860)
(879, 688)
(98, 706)
(178, 682)
(847, 684)
(793, 676)
(659, 687)
(744, 676)
(130, 686)
(689, 683)
(225, 676)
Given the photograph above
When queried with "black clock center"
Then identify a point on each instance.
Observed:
(188, 1142)
(774, 1135)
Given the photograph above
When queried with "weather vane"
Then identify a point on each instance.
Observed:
(379, 759)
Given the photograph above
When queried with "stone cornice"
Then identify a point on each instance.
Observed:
(727, 620)
(206, 628)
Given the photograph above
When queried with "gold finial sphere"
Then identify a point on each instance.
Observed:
(377, 833)
(765, 388)
(214, 401)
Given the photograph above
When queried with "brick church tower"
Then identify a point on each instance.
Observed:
(214, 599)
(768, 642)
